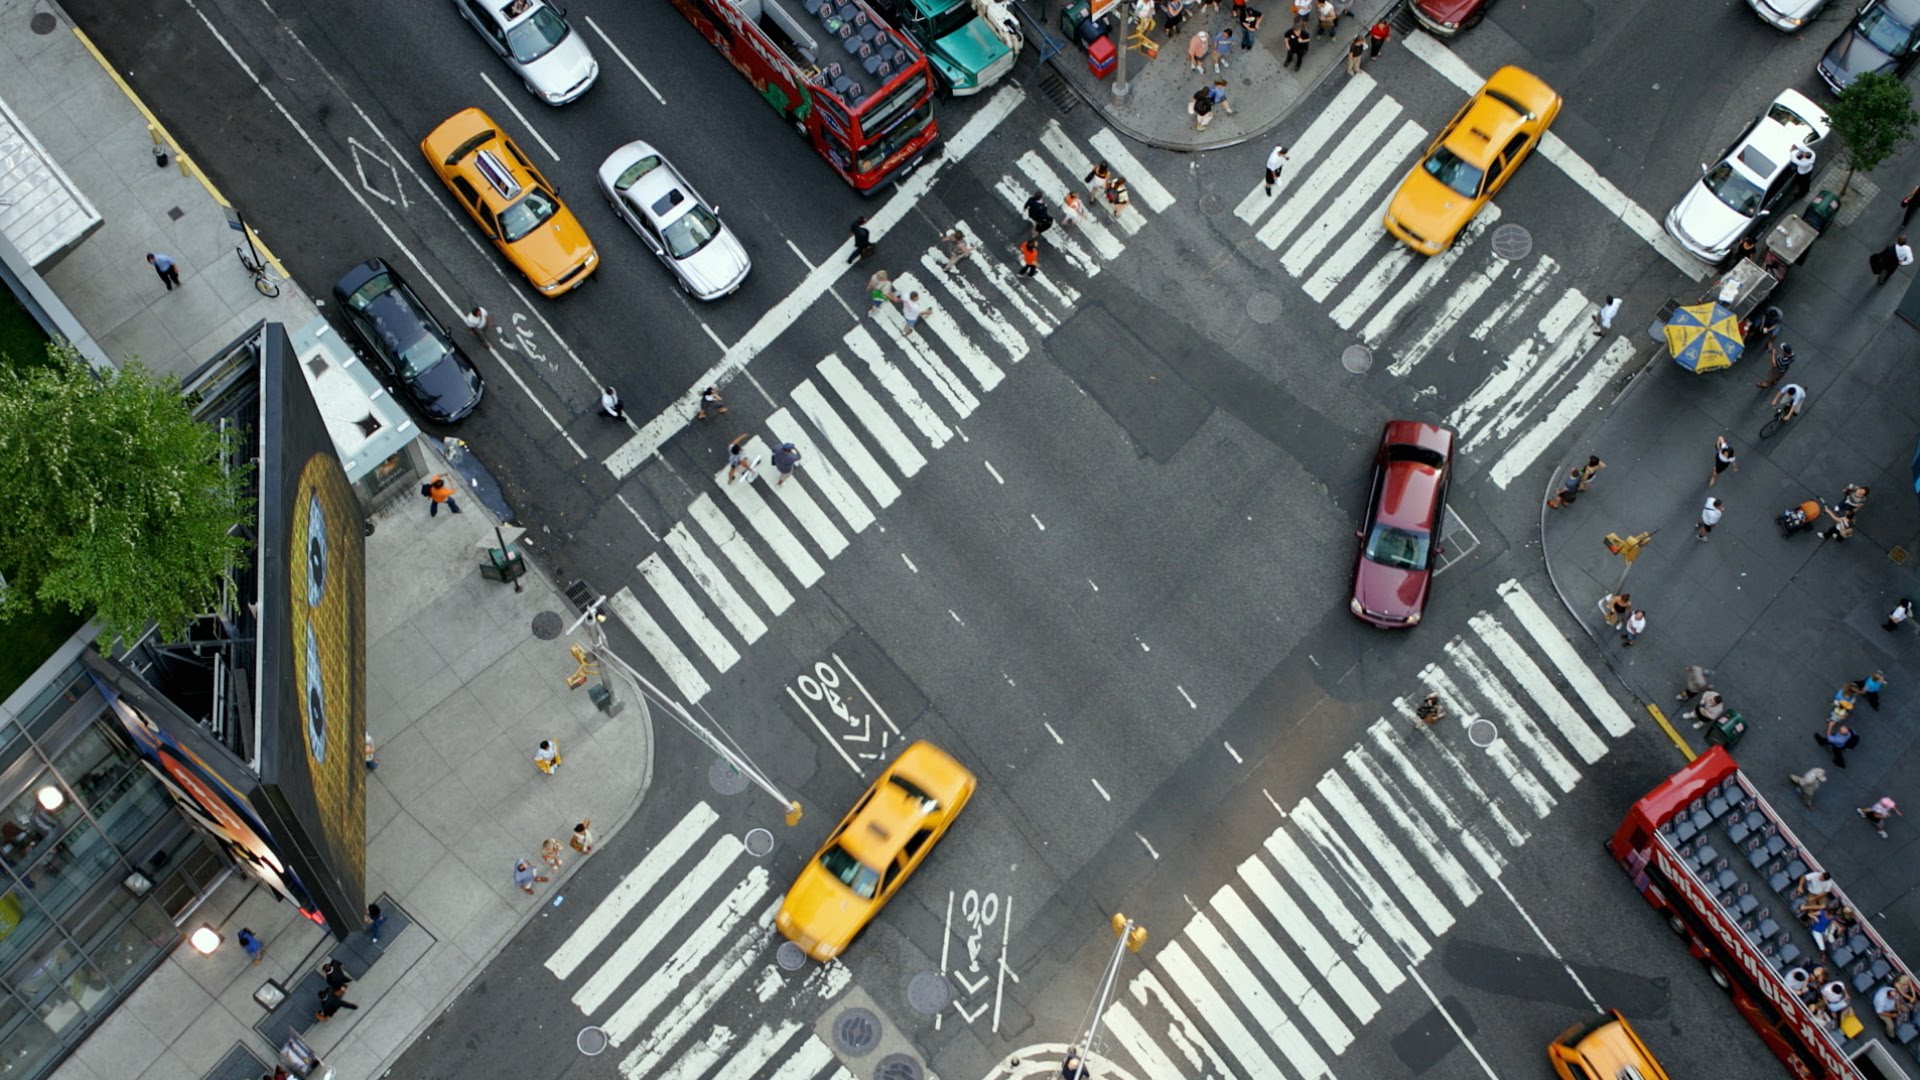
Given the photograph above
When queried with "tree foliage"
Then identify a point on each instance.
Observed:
(114, 501)
(1873, 116)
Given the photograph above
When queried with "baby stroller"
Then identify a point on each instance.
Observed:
(1794, 519)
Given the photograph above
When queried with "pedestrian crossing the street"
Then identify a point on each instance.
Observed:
(1278, 968)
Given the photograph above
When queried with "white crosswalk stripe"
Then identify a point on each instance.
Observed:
(819, 470)
(1366, 876)
(686, 611)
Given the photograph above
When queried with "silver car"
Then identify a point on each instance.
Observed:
(1788, 15)
(686, 233)
(534, 38)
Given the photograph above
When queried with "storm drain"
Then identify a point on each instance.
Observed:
(857, 1032)
(759, 842)
(790, 957)
(592, 1041)
(897, 1067)
(726, 779)
(928, 993)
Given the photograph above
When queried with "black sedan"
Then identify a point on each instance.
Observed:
(409, 342)
(1884, 38)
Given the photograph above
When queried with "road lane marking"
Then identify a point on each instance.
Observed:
(1465, 295)
(746, 498)
(1055, 141)
(1565, 660)
(756, 1053)
(721, 974)
(782, 315)
(1499, 389)
(1238, 1041)
(866, 409)
(806, 1062)
(1557, 709)
(1015, 195)
(1304, 930)
(1371, 894)
(706, 574)
(663, 984)
(1572, 346)
(686, 611)
(1490, 861)
(1002, 278)
(974, 303)
(674, 663)
(818, 469)
(615, 49)
(1273, 960)
(862, 345)
(972, 357)
(1517, 723)
(1331, 271)
(652, 930)
(1329, 171)
(1251, 995)
(1305, 150)
(1126, 1030)
(1050, 183)
(799, 502)
(1293, 862)
(626, 896)
(1531, 791)
(732, 544)
(1425, 278)
(1145, 188)
(1476, 795)
(1567, 407)
(841, 437)
(1430, 845)
(1358, 192)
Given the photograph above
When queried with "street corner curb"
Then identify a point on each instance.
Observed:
(1134, 134)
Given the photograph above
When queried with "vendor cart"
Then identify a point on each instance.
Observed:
(1751, 280)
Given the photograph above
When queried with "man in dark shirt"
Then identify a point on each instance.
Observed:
(862, 240)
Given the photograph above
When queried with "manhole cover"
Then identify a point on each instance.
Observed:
(1210, 203)
(1357, 359)
(1512, 241)
(547, 625)
(897, 1067)
(43, 23)
(726, 779)
(790, 957)
(928, 992)
(759, 842)
(1264, 308)
(857, 1031)
(1481, 732)
(591, 1041)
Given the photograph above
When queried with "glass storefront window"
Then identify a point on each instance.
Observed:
(25, 1042)
(29, 830)
(132, 946)
(129, 809)
(69, 866)
(95, 761)
(39, 976)
(51, 704)
(22, 923)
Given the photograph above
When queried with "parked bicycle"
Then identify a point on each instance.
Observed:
(264, 279)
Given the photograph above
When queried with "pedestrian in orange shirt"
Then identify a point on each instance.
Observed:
(1029, 258)
(438, 491)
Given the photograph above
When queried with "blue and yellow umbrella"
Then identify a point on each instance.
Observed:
(1704, 337)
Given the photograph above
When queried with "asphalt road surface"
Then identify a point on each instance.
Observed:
(1092, 533)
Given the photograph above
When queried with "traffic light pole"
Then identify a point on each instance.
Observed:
(592, 619)
(1129, 937)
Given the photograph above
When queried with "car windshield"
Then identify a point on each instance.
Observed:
(850, 871)
(535, 36)
(1886, 33)
(690, 231)
(1741, 195)
(635, 171)
(1447, 167)
(1402, 549)
(526, 215)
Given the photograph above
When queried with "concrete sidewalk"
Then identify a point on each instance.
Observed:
(1784, 621)
(460, 689)
(1154, 108)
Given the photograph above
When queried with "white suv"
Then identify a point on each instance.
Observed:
(1752, 182)
(534, 38)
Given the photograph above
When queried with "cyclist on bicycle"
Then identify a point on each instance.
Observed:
(1788, 402)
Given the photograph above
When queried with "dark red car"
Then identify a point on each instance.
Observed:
(1445, 18)
(1399, 540)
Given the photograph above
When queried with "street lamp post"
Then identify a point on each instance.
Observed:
(1129, 936)
(1120, 73)
(1629, 550)
(592, 619)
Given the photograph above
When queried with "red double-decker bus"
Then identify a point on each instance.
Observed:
(1707, 851)
(855, 87)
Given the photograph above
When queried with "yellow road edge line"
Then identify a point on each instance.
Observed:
(1679, 742)
(186, 160)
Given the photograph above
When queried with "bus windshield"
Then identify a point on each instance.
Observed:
(877, 151)
(879, 116)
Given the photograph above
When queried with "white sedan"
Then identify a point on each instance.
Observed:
(1753, 181)
(678, 225)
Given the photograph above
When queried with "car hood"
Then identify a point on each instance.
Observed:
(557, 246)
(1428, 207)
(1450, 11)
(1707, 222)
(1387, 591)
(973, 49)
(718, 268)
(447, 390)
(1851, 56)
(564, 66)
(823, 911)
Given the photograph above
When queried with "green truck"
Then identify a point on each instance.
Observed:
(971, 43)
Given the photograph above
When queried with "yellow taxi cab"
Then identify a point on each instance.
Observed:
(874, 849)
(511, 201)
(1603, 1049)
(1472, 158)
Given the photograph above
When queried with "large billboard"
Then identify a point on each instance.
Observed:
(311, 681)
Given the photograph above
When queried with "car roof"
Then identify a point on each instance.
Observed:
(877, 833)
(362, 273)
(470, 144)
(1907, 11)
(497, 9)
(657, 187)
(1498, 110)
(1613, 1049)
(1411, 488)
(1771, 138)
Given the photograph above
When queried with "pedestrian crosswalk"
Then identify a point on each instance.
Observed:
(650, 964)
(1278, 968)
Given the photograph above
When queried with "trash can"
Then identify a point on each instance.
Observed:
(1071, 17)
(503, 565)
(1728, 730)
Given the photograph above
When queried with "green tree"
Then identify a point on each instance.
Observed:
(1873, 116)
(114, 501)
